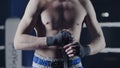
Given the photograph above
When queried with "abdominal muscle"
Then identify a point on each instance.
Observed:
(51, 51)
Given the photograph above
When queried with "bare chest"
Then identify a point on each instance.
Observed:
(62, 14)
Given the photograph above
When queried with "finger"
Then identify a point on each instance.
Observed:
(70, 48)
(71, 51)
(68, 45)
(71, 55)
(66, 30)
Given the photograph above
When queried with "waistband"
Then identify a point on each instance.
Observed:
(47, 62)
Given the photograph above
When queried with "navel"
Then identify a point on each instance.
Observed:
(77, 24)
(48, 23)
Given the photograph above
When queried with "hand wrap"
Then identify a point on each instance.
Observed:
(60, 39)
(82, 51)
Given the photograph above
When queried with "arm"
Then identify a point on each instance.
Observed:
(22, 39)
(98, 42)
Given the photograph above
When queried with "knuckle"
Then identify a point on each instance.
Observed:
(72, 51)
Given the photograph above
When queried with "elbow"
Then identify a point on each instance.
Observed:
(103, 43)
(16, 45)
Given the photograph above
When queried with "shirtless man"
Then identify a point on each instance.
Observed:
(58, 25)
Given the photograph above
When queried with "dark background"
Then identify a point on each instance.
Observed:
(15, 8)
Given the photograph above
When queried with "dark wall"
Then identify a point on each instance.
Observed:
(110, 6)
(4, 13)
(18, 7)
(15, 8)
(4, 10)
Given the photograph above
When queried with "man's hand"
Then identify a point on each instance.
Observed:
(76, 49)
(71, 50)
(60, 39)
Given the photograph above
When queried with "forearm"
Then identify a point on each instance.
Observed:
(97, 45)
(28, 42)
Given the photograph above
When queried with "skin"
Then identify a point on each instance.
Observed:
(48, 17)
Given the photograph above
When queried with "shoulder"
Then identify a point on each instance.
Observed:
(84, 1)
(38, 2)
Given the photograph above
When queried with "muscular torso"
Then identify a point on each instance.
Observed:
(59, 15)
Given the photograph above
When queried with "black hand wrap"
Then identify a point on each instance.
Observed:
(61, 39)
(82, 50)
